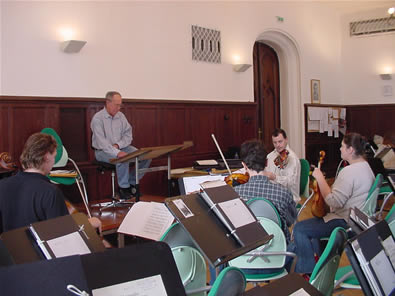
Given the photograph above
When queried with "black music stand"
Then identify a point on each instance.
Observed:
(207, 231)
(151, 153)
(94, 271)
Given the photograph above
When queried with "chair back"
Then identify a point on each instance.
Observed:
(304, 177)
(369, 208)
(230, 282)
(61, 157)
(261, 207)
(323, 276)
(176, 236)
(191, 267)
(390, 218)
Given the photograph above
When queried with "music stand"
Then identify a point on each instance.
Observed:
(151, 153)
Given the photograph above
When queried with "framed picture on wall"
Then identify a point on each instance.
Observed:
(315, 91)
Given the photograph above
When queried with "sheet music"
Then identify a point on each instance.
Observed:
(389, 248)
(237, 212)
(69, 244)
(192, 184)
(149, 286)
(384, 272)
(207, 162)
(147, 219)
(300, 292)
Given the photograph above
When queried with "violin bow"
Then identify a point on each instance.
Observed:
(220, 152)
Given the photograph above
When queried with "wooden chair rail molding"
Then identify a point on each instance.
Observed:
(367, 120)
(155, 123)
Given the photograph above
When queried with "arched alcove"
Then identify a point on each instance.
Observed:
(292, 119)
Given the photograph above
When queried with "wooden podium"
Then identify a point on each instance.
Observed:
(151, 153)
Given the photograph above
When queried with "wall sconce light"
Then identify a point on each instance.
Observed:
(386, 76)
(241, 67)
(391, 11)
(72, 46)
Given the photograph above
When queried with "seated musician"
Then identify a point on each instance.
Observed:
(29, 196)
(112, 138)
(349, 190)
(253, 155)
(283, 165)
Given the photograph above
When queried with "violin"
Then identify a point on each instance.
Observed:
(237, 179)
(319, 208)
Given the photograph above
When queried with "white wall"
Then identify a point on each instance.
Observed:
(363, 59)
(143, 49)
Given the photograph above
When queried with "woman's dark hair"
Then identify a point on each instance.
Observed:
(357, 142)
(253, 154)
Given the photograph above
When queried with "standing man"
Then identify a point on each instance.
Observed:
(112, 138)
(283, 166)
(29, 196)
(253, 155)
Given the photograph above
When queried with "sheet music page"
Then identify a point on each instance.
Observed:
(69, 244)
(389, 248)
(149, 286)
(211, 184)
(384, 272)
(237, 212)
(300, 292)
(147, 219)
(207, 162)
(192, 184)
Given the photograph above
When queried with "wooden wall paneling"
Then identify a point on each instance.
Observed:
(144, 119)
(246, 124)
(6, 145)
(91, 110)
(26, 119)
(73, 132)
(385, 120)
(225, 127)
(362, 120)
(203, 122)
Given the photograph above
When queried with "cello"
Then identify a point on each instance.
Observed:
(319, 208)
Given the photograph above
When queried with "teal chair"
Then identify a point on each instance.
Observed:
(269, 256)
(176, 236)
(192, 269)
(230, 282)
(323, 276)
(369, 208)
(304, 189)
(261, 207)
(61, 160)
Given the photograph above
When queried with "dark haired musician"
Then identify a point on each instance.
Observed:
(283, 165)
(349, 190)
(253, 155)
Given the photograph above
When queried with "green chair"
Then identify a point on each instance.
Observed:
(192, 269)
(230, 282)
(61, 160)
(261, 207)
(304, 189)
(390, 218)
(270, 256)
(176, 236)
(369, 208)
(324, 272)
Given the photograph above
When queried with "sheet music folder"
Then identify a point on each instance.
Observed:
(370, 255)
(23, 246)
(207, 231)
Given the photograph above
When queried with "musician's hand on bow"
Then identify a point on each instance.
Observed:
(270, 175)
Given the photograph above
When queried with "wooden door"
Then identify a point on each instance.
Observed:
(266, 91)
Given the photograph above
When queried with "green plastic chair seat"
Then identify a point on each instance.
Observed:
(278, 244)
(351, 282)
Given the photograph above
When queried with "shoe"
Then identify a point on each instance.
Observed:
(133, 190)
(124, 193)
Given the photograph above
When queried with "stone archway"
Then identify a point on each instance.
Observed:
(292, 119)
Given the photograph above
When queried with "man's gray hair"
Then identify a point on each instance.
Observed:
(111, 94)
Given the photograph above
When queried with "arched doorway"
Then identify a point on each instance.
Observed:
(266, 91)
(291, 111)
